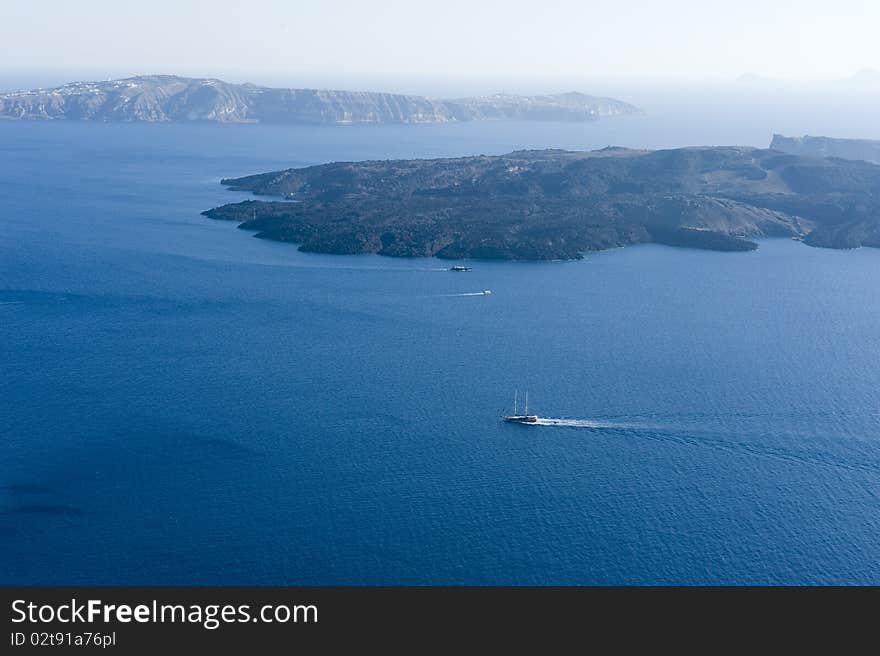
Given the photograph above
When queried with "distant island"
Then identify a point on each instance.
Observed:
(555, 204)
(863, 149)
(867, 79)
(157, 98)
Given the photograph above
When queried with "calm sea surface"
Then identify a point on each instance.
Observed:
(181, 403)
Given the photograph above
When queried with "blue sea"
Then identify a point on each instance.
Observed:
(183, 404)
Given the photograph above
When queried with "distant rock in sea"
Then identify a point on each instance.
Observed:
(860, 224)
(170, 98)
(865, 77)
(554, 204)
(867, 80)
(858, 149)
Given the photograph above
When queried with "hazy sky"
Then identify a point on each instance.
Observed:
(787, 38)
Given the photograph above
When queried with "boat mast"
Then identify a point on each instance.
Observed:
(526, 411)
(515, 399)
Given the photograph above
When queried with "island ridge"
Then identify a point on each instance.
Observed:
(555, 204)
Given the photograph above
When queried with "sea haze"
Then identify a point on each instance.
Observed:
(182, 403)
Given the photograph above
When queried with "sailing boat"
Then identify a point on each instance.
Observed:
(525, 417)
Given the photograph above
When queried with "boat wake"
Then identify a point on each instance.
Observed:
(577, 423)
(485, 292)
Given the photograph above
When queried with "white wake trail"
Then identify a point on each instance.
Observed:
(483, 293)
(577, 423)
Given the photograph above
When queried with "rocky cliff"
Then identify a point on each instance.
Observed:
(171, 98)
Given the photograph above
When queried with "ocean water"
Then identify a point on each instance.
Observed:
(183, 404)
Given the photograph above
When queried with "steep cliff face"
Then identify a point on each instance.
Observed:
(149, 98)
(557, 107)
(343, 107)
(171, 98)
(859, 149)
(555, 204)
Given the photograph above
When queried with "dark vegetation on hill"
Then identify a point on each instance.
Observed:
(552, 204)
